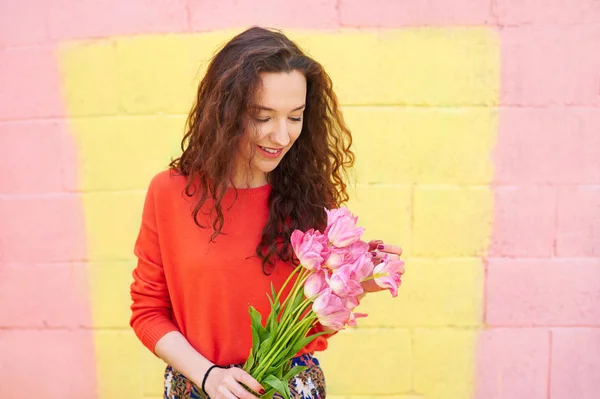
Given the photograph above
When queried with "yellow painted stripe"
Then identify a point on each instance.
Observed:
(423, 175)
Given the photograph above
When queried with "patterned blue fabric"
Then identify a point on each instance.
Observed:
(309, 384)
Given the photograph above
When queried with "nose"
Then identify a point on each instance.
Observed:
(281, 135)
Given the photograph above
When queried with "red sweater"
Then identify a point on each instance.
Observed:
(184, 283)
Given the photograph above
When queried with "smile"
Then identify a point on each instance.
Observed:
(271, 151)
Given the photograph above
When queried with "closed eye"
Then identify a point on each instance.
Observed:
(265, 120)
(296, 119)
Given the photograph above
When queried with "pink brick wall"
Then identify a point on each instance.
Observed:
(541, 336)
(543, 276)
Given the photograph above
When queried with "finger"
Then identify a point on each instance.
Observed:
(249, 381)
(223, 392)
(240, 392)
(381, 255)
(373, 244)
(390, 249)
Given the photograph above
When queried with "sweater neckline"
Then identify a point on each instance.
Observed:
(250, 191)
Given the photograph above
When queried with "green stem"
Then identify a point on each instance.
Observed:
(286, 283)
(301, 308)
(283, 328)
(295, 292)
(263, 367)
(302, 277)
(276, 350)
(373, 277)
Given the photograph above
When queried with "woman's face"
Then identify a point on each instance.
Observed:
(280, 106)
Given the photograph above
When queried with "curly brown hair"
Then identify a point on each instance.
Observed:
(310, 177)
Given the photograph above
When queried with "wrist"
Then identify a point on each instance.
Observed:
(210, 379)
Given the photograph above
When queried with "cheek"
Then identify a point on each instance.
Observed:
(260, 133)
(295, 133)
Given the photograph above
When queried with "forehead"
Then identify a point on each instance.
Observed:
(282, 91)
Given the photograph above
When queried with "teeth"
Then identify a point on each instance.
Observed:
(270, 151)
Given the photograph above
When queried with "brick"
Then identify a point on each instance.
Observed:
(315, 14)
(70, 19)
(38, 353)
(120, 379)
(512, 364)
(392, 204)
(158, 73)
(110, 153)
(19, 26)
(42, 229)
(577, 159)
(471, 77)
(423, 145)
(386, 370)
(579, 221)
(444, 360)
(36, 146)
(524, 221)
(109, 286)
(575, 363)
(550, 66)
(42, 296)
(36, 93)
(425, 299)
(543, 292)
(541, 12)
(89, 78)
(393, 14)
(552, 145)
(451, 221)
(454, 65)
(104, 211)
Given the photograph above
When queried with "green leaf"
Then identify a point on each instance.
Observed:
(255, 340)
(298, 299)
(294, 371)
(250, 361)
(302, 343)
(269, 394)
(275, 369)
(256, 319)
(279, 384)
(273, 293)
(275, 309)
(264, 348)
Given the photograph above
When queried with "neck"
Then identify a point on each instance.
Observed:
(250, 180)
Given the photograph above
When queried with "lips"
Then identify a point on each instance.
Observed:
(270, 152)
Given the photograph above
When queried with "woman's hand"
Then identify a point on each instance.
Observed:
(379, 251)
(227, 384)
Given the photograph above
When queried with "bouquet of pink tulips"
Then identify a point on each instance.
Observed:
(326, 289)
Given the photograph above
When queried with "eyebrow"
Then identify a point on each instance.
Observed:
(260, 107)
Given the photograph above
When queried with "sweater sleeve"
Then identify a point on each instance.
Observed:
(320, 343)
(151, 316)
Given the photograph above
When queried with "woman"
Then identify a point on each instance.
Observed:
(265, 152)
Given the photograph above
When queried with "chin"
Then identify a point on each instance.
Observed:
(268, 168)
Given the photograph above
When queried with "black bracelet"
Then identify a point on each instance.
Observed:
(206, 375)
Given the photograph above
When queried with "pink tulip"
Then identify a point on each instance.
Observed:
(343, 283)
(388, 274)
(315, 284)
(310, 248)
(342, 256)
(362, 267)
(331, 310)
(354, 316)
(352, 302)
(341, 227)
